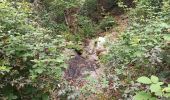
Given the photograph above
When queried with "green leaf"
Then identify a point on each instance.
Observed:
(167, 95)
(40, 70)
(59, 60)
(153, 98)
(154, 79)
(159, 93)
(167, 37)
(167, 89)
(155, 88)
(168, 85)
(142, 96)
(164, 25)
(5, 68)
(160, 83)
(138, 53)
(144, 80)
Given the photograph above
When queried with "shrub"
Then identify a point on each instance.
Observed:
(107, 23)
(87, 28)
(31, 61)
(138, 41)
(139, 49)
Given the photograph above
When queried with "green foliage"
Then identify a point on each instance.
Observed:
(32, 43)
(13, 20)
(68, 92)
(31, 61)
(156, 87)
(92, 86)
(89, 8)
(51, 14)
(143, 96)
(140, 49)
(107, 23)
(154, 79)
(138, 43)
(144, 80)
(87, 28)
(63, 4)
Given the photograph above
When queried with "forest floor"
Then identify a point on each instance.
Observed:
(86, 68)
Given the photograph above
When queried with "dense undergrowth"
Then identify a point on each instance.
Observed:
(31, 59)
(33, 36)
(142, 48)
